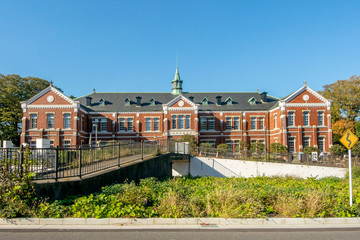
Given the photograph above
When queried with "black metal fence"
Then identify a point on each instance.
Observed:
(76, 161)
(320, 159)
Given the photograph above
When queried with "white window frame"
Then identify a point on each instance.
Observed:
(33, 121)
(306, 117)
(291, 118)
(50, 121)
(261, 121)
(211, 124)
(275, 121)
(156, 126)
(306, 141)
(253, 123)
(103, 125)
(228, 123)
(321, 118)
(148, 122)
(67, 120)
(122, 127)
(130, 124)
(187, 121)
(203, 124)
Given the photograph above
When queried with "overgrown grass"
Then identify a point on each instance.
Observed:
(215, 197)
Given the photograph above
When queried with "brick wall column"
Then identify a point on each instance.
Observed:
(244, 137)
(197, 128)
(329, 135)
(314, 137)
(165, 128)
(75, 132)
(57, 139)
(300, 140)
(24, 127)
(283, 135)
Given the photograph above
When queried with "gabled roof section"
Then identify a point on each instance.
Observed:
(152, 102)
(102, 102)
(303, 89)
(46, 90)
(127, 102)
(205, 101)
(180, 97)
(229, 101)
(252, 101)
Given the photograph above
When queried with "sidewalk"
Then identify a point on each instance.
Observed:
(175, 223)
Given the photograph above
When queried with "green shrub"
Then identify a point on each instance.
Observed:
(338, 149)
(257, 147)
(17, 192)
(278, 148)
(309, 150)
(223, 148)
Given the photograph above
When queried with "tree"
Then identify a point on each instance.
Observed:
(223, 148)
(340, 127)
(309, 150)
(188, 138)
(13, 90)
(278, 148)
(257, 147)
(346, 98)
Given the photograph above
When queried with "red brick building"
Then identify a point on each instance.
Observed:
(299, 120)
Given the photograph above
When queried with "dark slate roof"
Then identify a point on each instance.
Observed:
(115, 102)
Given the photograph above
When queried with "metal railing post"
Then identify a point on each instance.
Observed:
(56, 162)
(142, 150)
(21, 161)
(119, 156)
(80, 162)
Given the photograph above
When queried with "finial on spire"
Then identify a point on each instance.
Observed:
(177, 59)
(257, 90)
(51, 83)
(305, 83)
(94, 90)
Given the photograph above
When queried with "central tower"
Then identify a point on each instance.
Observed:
(177, 83)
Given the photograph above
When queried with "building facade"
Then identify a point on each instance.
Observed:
(299, 120)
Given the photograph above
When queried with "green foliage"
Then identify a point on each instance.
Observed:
(338, 149)
(278, 148)
(309, 150)
(17, 193)
(243, 145)
(216, 197)
(223, 148)
(346, 98)
(257, 147)
(14, 89)
(356, 148)
(205, 145)
(188, 138)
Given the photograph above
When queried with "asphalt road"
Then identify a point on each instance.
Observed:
(196, 234)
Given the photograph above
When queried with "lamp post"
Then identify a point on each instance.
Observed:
(265, 145)
(96, 131)
(157, 150)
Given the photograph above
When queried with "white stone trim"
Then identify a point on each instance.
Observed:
(306, 105)
(49, 106)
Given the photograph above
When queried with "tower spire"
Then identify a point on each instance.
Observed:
(177, 83)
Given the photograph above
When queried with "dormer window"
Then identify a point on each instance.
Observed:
(229, 101)
(152, 102)
(102, 102)
(205, 101)
(252, 101)
(127, 102)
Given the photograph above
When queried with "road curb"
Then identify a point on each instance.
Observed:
(341, 222)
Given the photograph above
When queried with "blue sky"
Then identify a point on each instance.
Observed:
(131, 46)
